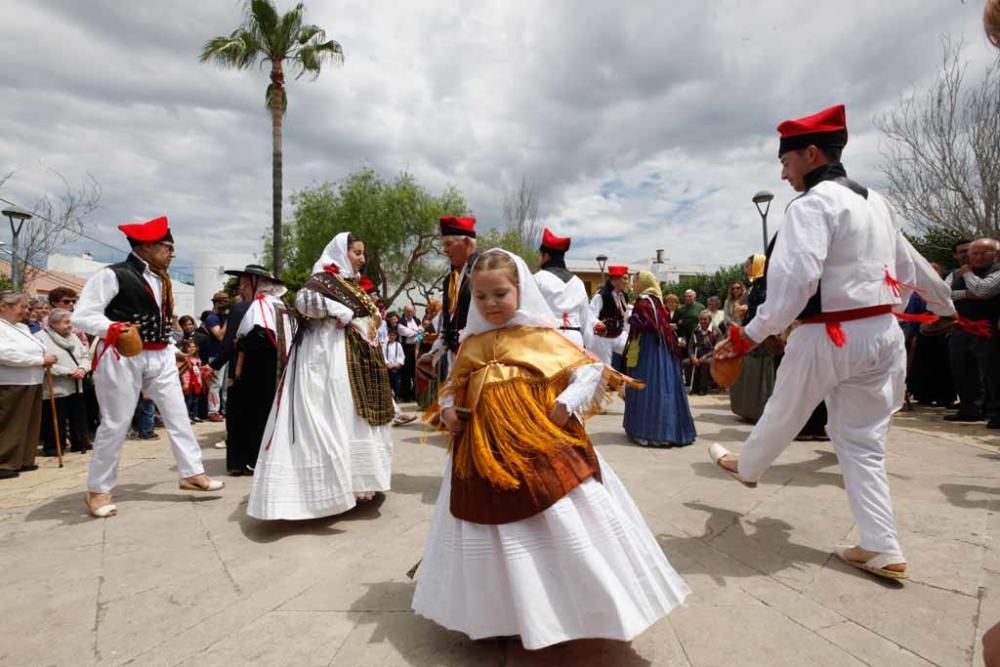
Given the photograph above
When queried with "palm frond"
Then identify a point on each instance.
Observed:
(310, 58)
(287, 30)
(309, 32)
(238, 50)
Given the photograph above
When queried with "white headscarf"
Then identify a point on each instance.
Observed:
(532, 309)
(335, 253)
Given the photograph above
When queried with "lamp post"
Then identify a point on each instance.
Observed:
(14, 213)
(601, 261)
(763, 197)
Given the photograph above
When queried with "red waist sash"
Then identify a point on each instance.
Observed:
(833, 320)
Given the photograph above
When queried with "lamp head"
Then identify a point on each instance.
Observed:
(762, 197)
(17, 213)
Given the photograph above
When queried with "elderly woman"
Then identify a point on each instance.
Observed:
(72, 365)
(263, 339)
(22, 363)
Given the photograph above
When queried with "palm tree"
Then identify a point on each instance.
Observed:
(267, 36)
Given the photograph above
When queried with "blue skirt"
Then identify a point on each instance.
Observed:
(658, 414)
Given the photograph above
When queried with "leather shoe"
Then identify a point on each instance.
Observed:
(7, 473)
(29, 467)
(993, 423)
(940, 326)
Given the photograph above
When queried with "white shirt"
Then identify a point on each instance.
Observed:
(567, 300)
(408, 330)
(837, 236)
(394, 357)
(21, 355)
(100, 289)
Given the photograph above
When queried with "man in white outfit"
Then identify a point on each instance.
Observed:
(136, 293)
(564, 292)
(609, 314)
(835, 266)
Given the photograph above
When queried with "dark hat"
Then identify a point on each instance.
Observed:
(255, 270)
(825, 129)
(151, 231)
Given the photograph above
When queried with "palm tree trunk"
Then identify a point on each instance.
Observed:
(277, 111)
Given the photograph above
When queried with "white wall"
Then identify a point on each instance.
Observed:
(77, 265)
(209, 277)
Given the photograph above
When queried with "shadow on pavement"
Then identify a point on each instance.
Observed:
(766, 548)
(264, 532)
(426, 486)
(423, 643)
(70, 510)
(805, 474)
(958, 495)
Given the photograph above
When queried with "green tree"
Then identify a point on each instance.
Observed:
(936, 246)
(279, 39)
(512, 240)
(397, 219)
(707, 284)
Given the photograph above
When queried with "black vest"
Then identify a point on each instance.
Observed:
(557, 267)
(611, 314)
(976, 309)
(135, 303)
(451, 326)
(829, 172)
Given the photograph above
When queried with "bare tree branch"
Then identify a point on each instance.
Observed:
(943, 158)
(520, 210)
(58, 220)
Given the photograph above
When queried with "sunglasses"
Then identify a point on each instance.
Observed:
(69, 301)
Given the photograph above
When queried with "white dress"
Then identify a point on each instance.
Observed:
(587, 567)
(317, 453)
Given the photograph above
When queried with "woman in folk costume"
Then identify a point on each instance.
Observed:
(756, 380)
(533, 534)
(327, 443)
(263, 340)
(659, 415)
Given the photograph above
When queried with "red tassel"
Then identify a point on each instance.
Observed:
(332, 268)
(836, 333)
(979, 328)
(922, 318)
(739, 345)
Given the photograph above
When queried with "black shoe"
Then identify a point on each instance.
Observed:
(959, 417)
(6, 473)
(46, 452)
(29, 467)
(152, 435)
(993, 423)
(234, 473)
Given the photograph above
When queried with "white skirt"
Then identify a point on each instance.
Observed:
(334, 454)
(587, 567)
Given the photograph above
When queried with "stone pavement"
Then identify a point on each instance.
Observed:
(182, 579)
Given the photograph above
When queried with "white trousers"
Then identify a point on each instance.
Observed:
(117, 382)
(863, 384)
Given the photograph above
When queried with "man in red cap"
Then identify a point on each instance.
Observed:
(835, 267)
(608, 311)
(458, 243)
(136, 295)
(564, 292)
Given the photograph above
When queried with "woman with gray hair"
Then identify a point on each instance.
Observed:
(23, 360)
(72, 364)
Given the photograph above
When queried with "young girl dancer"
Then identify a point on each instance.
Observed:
(533, 534)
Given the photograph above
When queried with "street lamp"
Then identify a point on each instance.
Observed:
(601, 261)
(14, 213)
(763, 197)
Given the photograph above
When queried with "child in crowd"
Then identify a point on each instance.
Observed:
(525, 494)
(190, 369)
(394, 360)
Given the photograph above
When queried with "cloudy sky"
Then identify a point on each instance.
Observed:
(641, 125)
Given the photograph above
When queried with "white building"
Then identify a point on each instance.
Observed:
(210, 277)
(84, 266)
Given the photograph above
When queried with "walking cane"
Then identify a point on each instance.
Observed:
(55, 416)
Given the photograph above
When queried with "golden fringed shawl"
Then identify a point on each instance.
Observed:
(511, 461)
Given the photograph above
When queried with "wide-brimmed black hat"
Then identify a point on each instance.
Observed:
(255, 270)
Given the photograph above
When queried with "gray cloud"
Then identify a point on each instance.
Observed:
(641, 124)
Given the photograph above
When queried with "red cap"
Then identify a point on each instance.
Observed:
(150, 231)
(365, 283)
(554, 243)
(617, 271)
(452, 226)
(828, 128)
